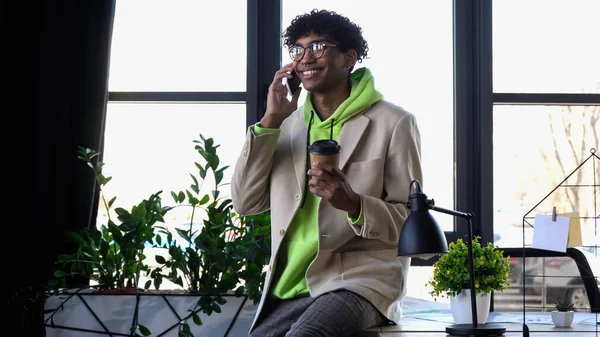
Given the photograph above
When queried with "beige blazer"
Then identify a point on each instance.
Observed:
(381, 155)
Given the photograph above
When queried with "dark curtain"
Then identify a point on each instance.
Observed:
(65, 90)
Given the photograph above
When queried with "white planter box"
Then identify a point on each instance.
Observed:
(97, 315)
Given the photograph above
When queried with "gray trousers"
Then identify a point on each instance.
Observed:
(336, 314)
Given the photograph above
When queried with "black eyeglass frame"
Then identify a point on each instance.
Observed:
(299, 57)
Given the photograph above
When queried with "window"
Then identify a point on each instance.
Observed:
(546, 46)
(535, 149)
(149, 147)
(546, 111)
(182, 45)
(177, 70)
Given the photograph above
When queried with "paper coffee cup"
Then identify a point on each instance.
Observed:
(325, 151)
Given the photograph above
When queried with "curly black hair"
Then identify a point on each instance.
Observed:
(347, 34)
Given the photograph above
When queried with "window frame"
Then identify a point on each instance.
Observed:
(474, 100)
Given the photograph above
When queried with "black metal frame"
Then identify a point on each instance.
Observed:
(588, 283)
(546, 99)
(177, 97)
(264, 54)
(473, 113)
(263, 59)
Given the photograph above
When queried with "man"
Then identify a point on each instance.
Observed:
(334, 268)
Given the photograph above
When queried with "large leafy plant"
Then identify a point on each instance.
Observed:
(111, 256)
(224, 252)
(451, 273)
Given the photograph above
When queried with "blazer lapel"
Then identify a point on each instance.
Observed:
(298, 143)
(351, 134)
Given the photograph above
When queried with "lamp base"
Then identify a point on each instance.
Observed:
(478, 330)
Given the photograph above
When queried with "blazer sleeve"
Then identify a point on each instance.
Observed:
(384, 217)
(250, 183)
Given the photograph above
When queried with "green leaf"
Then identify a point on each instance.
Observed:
(204, 199)
(145, 331)
(195, 180)
(213, 161)
(76, 237)
(160, 259)
(148, 284)
(216, 307)
(59, 273)
(111, 202)
(184, 327)
(218, 177)
(197, 319)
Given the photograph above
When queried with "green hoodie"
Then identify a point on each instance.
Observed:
(300, 245)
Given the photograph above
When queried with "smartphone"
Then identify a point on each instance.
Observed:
(293, 83)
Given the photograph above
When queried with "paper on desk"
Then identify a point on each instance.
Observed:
(574, 230)
(550, 235)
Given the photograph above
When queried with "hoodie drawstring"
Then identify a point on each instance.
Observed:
(312, 116)
(308, 164)
(331, 129)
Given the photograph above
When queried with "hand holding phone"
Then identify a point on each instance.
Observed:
(279, 105)
(293, 83)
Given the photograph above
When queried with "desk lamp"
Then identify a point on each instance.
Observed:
(422, 237)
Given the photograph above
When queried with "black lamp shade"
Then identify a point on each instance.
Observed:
(422, 237)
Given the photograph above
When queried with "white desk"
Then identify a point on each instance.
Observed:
(415, 327)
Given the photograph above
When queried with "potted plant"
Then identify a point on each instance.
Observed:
(221, 259)
(562, 317)
(111, 258)
(451, 278)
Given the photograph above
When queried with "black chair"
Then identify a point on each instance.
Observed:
(548, 276)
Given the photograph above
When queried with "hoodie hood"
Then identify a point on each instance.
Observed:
(362, 95)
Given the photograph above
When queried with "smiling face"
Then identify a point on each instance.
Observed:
(326, 73)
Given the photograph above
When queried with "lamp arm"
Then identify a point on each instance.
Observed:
(432, 206)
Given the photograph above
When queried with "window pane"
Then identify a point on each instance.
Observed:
(179, 45)
(535, 149)
(408, 72)
(149, 147)
(547, 46)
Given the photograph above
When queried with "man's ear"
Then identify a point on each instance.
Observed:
(350, 58)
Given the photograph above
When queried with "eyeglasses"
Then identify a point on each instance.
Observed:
(316, 49)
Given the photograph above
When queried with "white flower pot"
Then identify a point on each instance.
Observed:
(562, 319)
(460, 306)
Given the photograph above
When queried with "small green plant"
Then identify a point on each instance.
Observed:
(451, 273)
(563, 305)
